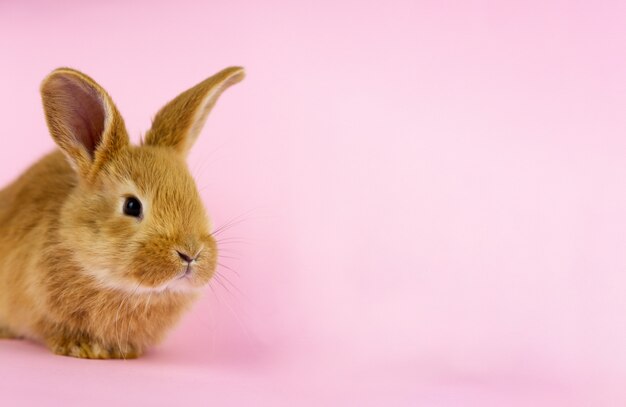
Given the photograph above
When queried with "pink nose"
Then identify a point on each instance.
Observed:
(185, 257)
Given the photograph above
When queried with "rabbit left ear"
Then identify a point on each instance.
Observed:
(178, 124)
(82, 119)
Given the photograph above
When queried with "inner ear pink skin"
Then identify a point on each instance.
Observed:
(82, 109)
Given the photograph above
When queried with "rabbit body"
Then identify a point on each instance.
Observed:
(103, 245)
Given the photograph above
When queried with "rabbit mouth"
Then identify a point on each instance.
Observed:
(186, 273)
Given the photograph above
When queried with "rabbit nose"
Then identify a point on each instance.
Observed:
(185, 257)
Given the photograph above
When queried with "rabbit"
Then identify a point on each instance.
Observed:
(104, 244)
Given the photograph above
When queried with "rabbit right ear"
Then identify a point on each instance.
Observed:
(178, 124)
(82, 119)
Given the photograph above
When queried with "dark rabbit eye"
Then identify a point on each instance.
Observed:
(132, 207)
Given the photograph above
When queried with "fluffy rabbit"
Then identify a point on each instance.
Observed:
(103, 244)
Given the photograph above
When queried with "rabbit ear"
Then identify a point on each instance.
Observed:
(82, 119)
(178, 124)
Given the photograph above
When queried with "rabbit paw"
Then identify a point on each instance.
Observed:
(5, 333)
(86, 349)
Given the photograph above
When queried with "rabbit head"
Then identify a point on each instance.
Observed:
(134, 220)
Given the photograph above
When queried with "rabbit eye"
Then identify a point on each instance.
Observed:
(132, 207)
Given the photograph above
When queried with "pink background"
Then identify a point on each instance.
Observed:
(432, 198)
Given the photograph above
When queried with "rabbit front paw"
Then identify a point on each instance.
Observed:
(5, 333)
(86, 349)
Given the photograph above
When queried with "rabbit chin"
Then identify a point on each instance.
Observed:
(105, 279)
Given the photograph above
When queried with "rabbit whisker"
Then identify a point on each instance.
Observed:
(244, 217)
(229, 268)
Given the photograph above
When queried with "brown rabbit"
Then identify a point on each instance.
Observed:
(104, 244)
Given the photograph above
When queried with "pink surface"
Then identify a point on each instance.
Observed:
(432, 198)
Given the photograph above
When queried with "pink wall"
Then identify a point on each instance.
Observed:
(433, 197)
